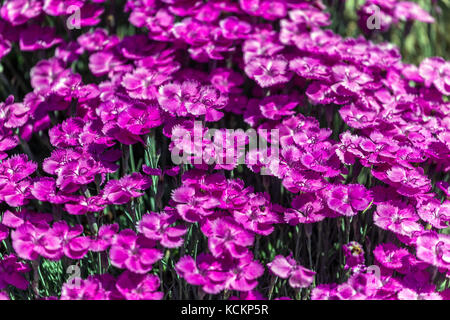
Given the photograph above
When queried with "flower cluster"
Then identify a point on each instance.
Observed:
(351, 164)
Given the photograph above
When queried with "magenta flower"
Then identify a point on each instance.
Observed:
(243, 274)
(13, 115)
(306, 208)
(103, 240)
(390, 256)
(11, 273)
(139, 286)
(233, 28)
(159, 226)
(31, 241)
(73, 245)
(18, 12)
(435, 213)
(310, 68)
(398, 218)
(144, 83)
(130, 186)
(138, 119)
(268, 71)
(436, 71)
(408, 181)
(348, 200)
(93, 288)
(349, 80)
(434, 248)
(257, 215)
(191, 98)
(44, 189)
(225, 236)
(67, 134)
(287, 267)
(133, 252)
(205, 271)
(14, 219)
(81, 205)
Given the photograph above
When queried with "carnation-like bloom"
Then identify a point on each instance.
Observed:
(390, 256)
(104, 237)
(348, 200)
(133, 252)
(205, 271)
(139, 286)
(398, 218)
(434, 248)
(287, 267)
(11, 273)
(160, 227)
(435, 213)
(73, 245)
(31, 241)
(192, 98)
(268, 71)
(130, 186)
(226, 236)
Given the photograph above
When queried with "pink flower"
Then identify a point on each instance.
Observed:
(348, 200)
(287, 267)
(159, 226)
(74, 246)
(139, 286)
(435, 213)
(191, 98)
(13, 115)
(390, 256)
(31, 241)
(11, 273)
(140, 118)
(397, 218)
(225, 236)
(205, 271)
(243, 274)
(98, 287)
(130, 186)
(143, 83)
(268, 71)
(18, 12)
(436, 70)
(234, 29)
(104, 238)
(44, 189)
(17, 218)
(133, 252)
(257, 215)
(434, 248)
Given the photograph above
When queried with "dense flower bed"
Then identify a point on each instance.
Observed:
(347, 198)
